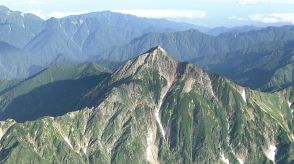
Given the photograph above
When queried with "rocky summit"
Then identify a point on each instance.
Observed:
(154, 109)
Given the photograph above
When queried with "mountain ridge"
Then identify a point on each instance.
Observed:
(157, 110)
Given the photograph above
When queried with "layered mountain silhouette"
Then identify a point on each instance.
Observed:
(72, 39)
(265, 53)
(30, 44)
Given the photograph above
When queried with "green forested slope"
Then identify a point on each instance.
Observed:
(154, 109)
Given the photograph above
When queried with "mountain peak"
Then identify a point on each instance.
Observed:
(158, 47)
(156, 58)
(157, 50)
(156, 54)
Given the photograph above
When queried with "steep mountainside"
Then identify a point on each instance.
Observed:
(266, 54)
(240, 29)
(154, 109)
(184, 45)
(15, 63)
(54, 91)
(100, 31)
(282, 77)
(18, 28)
(92, 34)
(192, 44)
(250, 40)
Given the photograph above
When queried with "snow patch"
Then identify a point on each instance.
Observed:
(100, 144)
(85, 148)
(210, 87)
(228, 132)
(243, 94)
(3, 129)
(240, 161)
(23, 26)
(22, 14)
(271, 152)
(67, 141)
(1, 133)
(149, 145)
(163, 93)
(289, 104)
(224, 159)
(74, 22)
(81, 21)
(151, 150)
(158, 119)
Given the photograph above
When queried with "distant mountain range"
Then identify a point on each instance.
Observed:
(30, 44)
(35, 43)
(241, 29)
(242, 57)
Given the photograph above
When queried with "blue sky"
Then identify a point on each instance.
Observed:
(201, 12)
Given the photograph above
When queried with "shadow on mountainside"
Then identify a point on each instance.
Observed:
(53, 99)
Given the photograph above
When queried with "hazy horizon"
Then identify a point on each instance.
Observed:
(204, 13)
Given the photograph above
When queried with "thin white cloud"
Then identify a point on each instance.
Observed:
(148, 13)
(238, 18)
(39, 13)
(28, 2)
(254, 2)
(60, 14)
(56, 14)
(273, 18)
(169, 14)
(248, 2)
(34, 2)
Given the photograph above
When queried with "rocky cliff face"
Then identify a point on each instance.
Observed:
(156, 110)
